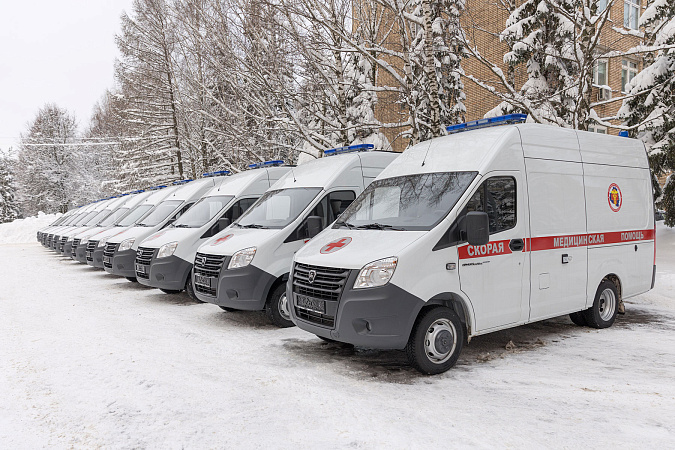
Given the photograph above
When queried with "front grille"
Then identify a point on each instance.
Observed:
(208, 266)
(109, 251)
(328, 284)
(91, 246)
(73, 250)
(144, 257)
(62, 242)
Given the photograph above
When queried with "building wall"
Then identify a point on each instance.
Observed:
(482, 21)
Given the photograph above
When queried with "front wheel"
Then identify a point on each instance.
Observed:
(278, 309)
(436, 341)
(190, 289)
(605, 306)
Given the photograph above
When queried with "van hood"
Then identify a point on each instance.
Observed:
(231, 240)
(352, 249)
(126, 233)
(156, 240)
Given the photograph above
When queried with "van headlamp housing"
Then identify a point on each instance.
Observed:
(167, 249)
(126, 244)
(377, 273)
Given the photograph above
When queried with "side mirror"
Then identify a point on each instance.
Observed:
(223, 223)
(477, 226)
(314, 226)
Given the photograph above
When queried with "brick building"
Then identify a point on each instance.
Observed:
(483, 20)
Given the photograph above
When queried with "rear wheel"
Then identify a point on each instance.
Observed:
(605, 306)
(578, 319)
(277, 307)
(132, 279)
(436, 341)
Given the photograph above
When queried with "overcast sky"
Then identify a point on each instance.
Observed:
(59, 51)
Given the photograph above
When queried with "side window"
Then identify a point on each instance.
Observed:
(232, 213)
(495, 196)
(328, 209)
(178, 214)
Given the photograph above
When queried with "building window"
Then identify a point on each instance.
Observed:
(631, 14)
(600, 72)
(602, 4)
(628, 72)
(597, 129)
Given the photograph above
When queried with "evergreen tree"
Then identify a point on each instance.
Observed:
(9, 207)
(650, 103)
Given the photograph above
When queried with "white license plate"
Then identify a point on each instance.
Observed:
(89, 255)
(313, 304)
(203, 281)
(106, 259)
(140, 268)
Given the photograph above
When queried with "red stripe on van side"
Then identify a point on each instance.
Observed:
(554, 242)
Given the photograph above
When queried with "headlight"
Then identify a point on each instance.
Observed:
(126, 244)
(102, 242)
(242, 258)
(376, 273)
(167, 249)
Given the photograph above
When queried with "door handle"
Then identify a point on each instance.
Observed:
(517, 245)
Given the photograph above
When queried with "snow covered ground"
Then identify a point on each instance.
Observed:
(24, 230)
(90, 360)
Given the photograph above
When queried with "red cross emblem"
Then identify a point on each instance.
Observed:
(222, 239)
(335, 245)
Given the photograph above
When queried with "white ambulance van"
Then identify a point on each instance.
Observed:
(44, 232)
(115, 223)
(487, 228)
(245, 267)
(164, 260)
(119, 255)
(61, 235)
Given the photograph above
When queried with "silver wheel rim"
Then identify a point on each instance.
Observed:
(283, 307)
(440, 341)
(607, 304)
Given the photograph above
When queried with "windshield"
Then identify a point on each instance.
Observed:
(134, 215)
(276, 209)
(114, 217)
(86, 218)
(72, 219)
(203, 211)
(410, 202)
(160, 213)
(98, 217)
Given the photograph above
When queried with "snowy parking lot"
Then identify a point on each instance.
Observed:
(90, 360)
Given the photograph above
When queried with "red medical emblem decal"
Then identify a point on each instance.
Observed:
(335, 245)
(222, 239)
(155, 236)
(614, 197)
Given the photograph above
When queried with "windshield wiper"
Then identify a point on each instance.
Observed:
(253, 225)
(182, 225)
(378, 226)
(347, 224)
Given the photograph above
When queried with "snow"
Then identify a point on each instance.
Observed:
(90, 360)
(25, 230)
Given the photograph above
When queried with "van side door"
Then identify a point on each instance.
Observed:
(492, 276)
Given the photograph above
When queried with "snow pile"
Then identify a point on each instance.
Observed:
(25, 230)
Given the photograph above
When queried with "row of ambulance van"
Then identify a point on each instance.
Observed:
(498, 224)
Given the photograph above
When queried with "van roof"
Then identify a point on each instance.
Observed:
(191, 189)
(237, 183)
(325, 172)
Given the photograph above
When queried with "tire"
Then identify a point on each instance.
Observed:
(225, 308)
(132, 279)
(436, 341)
(169, 291)
(277, 308)
(191, 290)
(605, 306)
(578, 319)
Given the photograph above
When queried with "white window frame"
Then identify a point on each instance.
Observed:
(597, 129)
(631, 7)
(596, 72)
(602, 5)
(627, 69)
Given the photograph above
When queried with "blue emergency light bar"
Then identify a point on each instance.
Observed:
(485, 123)
(623, 133)
(349, 149)
(273, 163)
(216, 174)
(156, 188)
(186, 181)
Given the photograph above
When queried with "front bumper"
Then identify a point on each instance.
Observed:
(380, 317)
(81, 253)
(96, 258)
(67, 248)
(171, 272)
(122, 263)
(245, 288)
